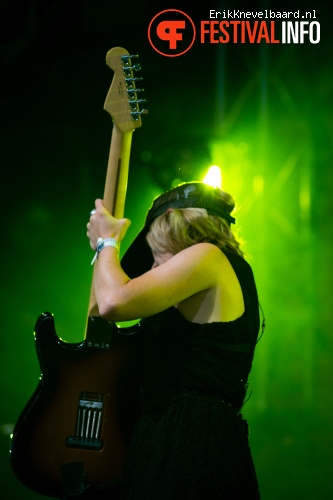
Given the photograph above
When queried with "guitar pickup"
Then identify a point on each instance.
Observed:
(88, 423)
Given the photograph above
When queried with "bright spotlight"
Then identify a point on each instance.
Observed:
(213, 177)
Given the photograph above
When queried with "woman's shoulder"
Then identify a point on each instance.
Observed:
(210, 255)
(204, 251)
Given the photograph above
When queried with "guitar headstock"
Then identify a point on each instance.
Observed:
(122, 102)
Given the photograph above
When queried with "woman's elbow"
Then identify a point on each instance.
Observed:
(109, 310)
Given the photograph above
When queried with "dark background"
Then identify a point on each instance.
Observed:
(262, 112)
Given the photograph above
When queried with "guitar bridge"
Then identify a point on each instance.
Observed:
(88, 423)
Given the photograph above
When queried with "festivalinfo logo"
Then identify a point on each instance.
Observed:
(172, 32)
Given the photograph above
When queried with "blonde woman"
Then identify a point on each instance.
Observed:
(186, 276)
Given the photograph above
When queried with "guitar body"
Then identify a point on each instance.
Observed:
(82, 411)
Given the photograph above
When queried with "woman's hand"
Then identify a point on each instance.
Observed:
(103, 225)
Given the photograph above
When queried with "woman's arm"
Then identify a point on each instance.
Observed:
(119, 298)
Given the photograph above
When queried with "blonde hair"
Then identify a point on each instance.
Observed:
(180, 228)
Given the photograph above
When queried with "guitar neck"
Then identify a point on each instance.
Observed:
(115, 185)
(117, 172)
(122, 104)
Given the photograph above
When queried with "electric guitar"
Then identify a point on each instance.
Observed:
(75, 430)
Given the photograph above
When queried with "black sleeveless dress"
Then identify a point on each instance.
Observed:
(190, 442)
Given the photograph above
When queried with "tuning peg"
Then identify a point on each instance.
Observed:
(133, 79)
(127, 57)
(135, 67)
(128, 70)
(133, 91)
(137, 101)
(137, 114)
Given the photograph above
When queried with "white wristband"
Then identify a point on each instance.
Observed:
(101, 243)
